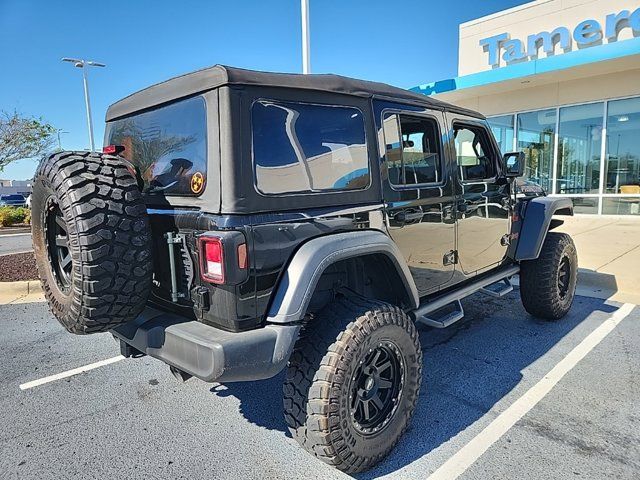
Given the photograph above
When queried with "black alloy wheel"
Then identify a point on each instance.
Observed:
(353, 380)
(564, 277)
(548, 283)
(376, 387)
(57, 242)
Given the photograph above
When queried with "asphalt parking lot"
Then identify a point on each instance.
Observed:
(131, 419)
(15, 243)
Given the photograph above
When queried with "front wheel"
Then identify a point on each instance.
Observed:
(548, 283)
(352, 383)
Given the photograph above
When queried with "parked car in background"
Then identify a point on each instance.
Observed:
(15, 200)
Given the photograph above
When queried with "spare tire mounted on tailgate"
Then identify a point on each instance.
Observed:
(91, 239)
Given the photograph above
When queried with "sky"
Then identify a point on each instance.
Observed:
(400, 42)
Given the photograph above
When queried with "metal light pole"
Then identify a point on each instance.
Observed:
(83, 64)
(60, 131)
(306, 52)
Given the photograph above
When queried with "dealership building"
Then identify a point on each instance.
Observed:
(560, 80)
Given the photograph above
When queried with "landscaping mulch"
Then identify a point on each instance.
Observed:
(18, 266)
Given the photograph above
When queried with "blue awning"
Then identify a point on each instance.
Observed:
(600, 53)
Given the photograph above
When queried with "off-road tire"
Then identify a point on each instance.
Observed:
(540, 290)
(321, 371)
(95, 199)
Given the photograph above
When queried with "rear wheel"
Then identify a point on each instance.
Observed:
(352, 383)
(91, 240)
(548, 283)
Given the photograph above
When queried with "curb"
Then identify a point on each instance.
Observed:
(14, 253)
(11, 291)
(14, 231)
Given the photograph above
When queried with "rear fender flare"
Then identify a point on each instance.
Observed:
(300, 278)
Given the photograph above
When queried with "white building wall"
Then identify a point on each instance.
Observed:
(559, 93)
(531, 19)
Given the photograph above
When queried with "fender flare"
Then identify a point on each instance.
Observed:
(299, 280)
(535, 224)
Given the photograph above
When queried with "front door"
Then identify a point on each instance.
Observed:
(483, 207)
(418, 194)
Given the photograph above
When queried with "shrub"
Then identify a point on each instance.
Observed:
(12, 215)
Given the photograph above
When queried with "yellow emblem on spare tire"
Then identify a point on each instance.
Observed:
(197, 182)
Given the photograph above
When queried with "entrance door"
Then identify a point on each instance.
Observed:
(419, 197)
(483, 197)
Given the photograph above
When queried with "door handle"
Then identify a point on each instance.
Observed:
(403, 217)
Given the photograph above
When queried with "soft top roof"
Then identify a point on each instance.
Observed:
(219, 75)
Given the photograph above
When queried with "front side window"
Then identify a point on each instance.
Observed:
(168, 146)
(473, 153)
(412, 147)
(308, 148)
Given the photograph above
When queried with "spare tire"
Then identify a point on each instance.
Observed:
(91, 239)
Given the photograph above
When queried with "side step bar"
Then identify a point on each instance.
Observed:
(421, 314)
(445, 320)
(500, 289)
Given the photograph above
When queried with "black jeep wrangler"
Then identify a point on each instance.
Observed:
(239, 223)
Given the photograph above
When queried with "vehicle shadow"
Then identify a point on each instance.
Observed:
(260, 401)
(468, 368)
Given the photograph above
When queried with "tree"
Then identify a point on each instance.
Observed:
(23, 137)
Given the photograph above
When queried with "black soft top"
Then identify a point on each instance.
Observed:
(220, 75)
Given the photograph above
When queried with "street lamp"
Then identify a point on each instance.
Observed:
(83, 64)
(306, 50)
(60, 131)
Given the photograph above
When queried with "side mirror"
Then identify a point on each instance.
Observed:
(513, 164)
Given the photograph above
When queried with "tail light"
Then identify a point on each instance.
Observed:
(242, 256)
(212, 259)
(223, 257)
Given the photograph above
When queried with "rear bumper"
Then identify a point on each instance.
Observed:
(209, 353)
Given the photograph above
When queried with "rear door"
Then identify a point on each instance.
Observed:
(483, 203)
(418, 194)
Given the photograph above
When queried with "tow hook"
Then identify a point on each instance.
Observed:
(180, 375)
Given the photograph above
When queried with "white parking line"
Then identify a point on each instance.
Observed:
(467, 455)
(69, 373)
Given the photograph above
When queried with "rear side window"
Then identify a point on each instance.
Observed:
(413, 153)
(301, 147)
(167, 145)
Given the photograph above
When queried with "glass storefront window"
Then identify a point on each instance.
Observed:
(536, 137)
(621, 205)
(580, 170)
(623, 147)
(502, 128)
(579, 149)
(587, 205)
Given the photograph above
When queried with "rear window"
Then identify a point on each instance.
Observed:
(167, 145)
(301, 147)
